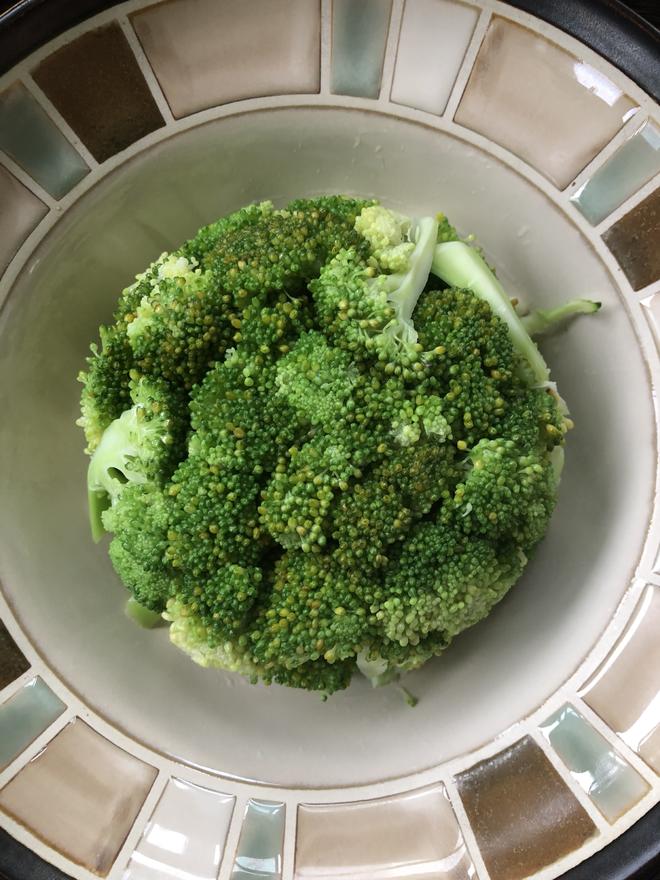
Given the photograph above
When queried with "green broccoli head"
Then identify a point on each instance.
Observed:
(509, 493)
(139, 521)
(181, 323)
(443, 581)
(106, 384)
(189, 634)
(322, 441)
(283, 249)
(365, 298)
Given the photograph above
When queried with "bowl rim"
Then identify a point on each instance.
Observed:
(609, 27)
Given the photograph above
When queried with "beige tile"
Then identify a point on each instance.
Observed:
(432, 42)
(625, 690)
(206, 53)
(197, 819)
(20, 211)
(545, 105)
(81, 796)
(522, 814)
(413, 836)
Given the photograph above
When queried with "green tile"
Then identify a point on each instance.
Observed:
(633, 165)
(33, 141)
(26, 715)
(359, 34)
(612, 784)
(259, 852)
(12, 661)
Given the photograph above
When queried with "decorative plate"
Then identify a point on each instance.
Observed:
(536, 741)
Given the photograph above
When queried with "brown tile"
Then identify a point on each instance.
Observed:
(411, 836)
(81, 796)
(522, 814)
(540, 101)
(12, 661)
(635, 242)
(206, 53)
(625, 690)
(97, 86)
(20, 211)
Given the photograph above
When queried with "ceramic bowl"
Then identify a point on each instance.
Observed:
(536, 741)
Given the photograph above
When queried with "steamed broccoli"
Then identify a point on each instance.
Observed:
(323, 441)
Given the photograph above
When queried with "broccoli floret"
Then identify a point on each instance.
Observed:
(106, 384)
(181, 324)
(140, 447)
(442, 582)
(380, 509)
(323, 442)
(200, 248)
(471, 364)
(190, 635)
(270, 324)
(214, 519)
(296, 501)
(139, 521)
(286, 248)
(460, 265)
(446, 232)
(316, 379)
(365, 303)
(238, 420)
(313, 612)
(509, 493)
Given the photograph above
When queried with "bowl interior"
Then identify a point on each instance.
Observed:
(62, 586)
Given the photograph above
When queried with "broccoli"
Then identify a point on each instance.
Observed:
(365, 303)
(323, 441)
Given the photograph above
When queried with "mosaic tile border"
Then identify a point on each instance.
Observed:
(640, 291)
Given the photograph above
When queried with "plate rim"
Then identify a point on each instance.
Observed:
(623, 38)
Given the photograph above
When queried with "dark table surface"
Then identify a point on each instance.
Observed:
(648, 9)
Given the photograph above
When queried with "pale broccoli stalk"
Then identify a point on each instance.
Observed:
(380, 673)
(408, 698)
(405, 248)
(540, 320)
(144, 617)
(376, 669)
(459, 265)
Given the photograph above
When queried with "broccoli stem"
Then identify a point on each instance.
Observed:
(376, 670)
(98, 500)
(541, 320)
(408, 698)
(461, 266)
(411, 285)
(144, 617)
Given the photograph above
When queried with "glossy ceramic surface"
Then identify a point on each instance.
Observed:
(184, 836)
(536, 739)
(610, 782)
